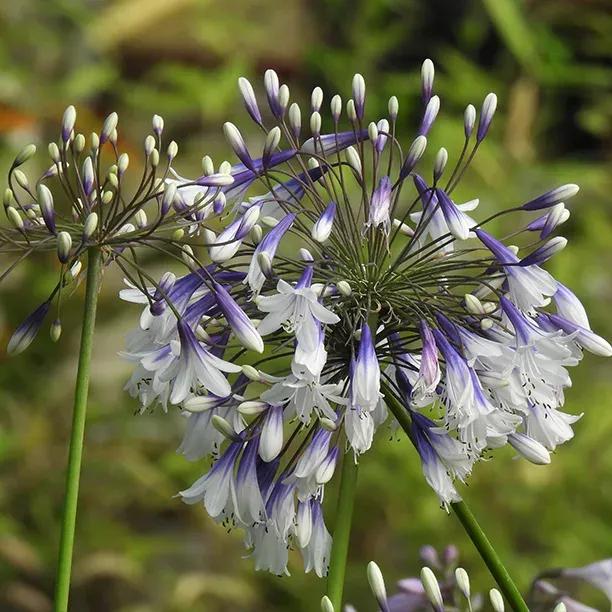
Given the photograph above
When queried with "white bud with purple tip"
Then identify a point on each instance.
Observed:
(393, 108)
(529, 448)
(316, 99)
(47, 210)
(95, 143)
(417, 148)
(109, 127)
(208, 167)
(322, 229)
(172, 150)
(272, 86)
(256, 233)
(306, 255)
(26, 332)
(487, 112)
(469, 120)
(429, 116)
(250, 101)
(497, 601)
(158, 125)
(295, 119)
(336, 107)
(68, 122)
(271, 440)
(88, 176)
(359, 94)
(236, 141)
(265, 265)
(252, 374)
(427, 80)
(545, 252)
(351, 113)
(440, 163)
(432, 589)
(463, 582)
(168, 198)
(552, 197)
(140, 218)
(24, 155)
(377, 584)
(315, 124)
(64, 245)
(457, 221)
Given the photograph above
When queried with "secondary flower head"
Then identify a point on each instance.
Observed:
(366, 288)
(86, 200)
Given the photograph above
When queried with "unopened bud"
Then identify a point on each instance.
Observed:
(140, 218)
(223, 427)
(283, 97)
(200, 403)
(316, 99)
(178, 234)
(393, 108)
(463, 582)
(54, 152)
(187, 254)
(95, 142)
(531, 449)
(26, 153)
(90, 225)
(269, 221)
(344, 288)
(306, 255)
(79, 143)
(207, 165)
(251, 373)
(64, 245)
(256, 233)
(110, 124)
(252, 408)
(353, 160)
(377, 584)
(7, 197)
(107, 197)
(473, 304)
(158, 124)
(172, 150)
(295, 119)
(55, 331)
(14, 217)
(123, 163)
(154, 158)
(68, 122)
(336, 107)
(149, 145)
(326, 604)
(440, 163)
(47, 210)
(469, 120)
(168, 197)
(497, 601)
(432, 589)
(21, 178)
(209, 236)
(327, 424)
(351, 113)
(265, 263)
(315, 124)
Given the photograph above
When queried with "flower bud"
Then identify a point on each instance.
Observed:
(236, 141)
(440, 163)
(417, 148)
(469, 120)
(326, 604)
(79, 143)
(486, 116)
(14, 217)
(24, 155)
(256, 233)
(95, 142)
(7, 197)
(463, 582)
(529, 448)
(393, 107)
(283, 98)
(327, 424)
(432, 589)
(272, 140)
(373, 132)
(54, 152)
(315, 124)
(178, 234)
(250, 101)
(344, 288)
(68, 122)
(223, 427)
(88, 177)
(252, 408)
(353, 160)
(140, 218)
(154, 158)
(251, 373)
(336, 107)
(64, 245)
(200, 403)
(168, 198)
(149, 145)
(377, 584)
(122, 163)
(158, 125)
(90, 225)
(306, 255)
(209, 237)
(265, 263)
(269, 221)
(110, 125)
(316, 99)
(295, 120)
(55, 331)
(359, 94)
(427, 79)
(172, 150)
(47, 210)
(560, 607)
(497, 601)
(21, 179)
(208, 167)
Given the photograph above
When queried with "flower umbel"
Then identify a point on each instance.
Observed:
(354, 275)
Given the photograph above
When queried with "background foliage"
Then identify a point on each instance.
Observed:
(140, 550)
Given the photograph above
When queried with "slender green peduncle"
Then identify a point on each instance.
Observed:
(64, 566)
(467, 520)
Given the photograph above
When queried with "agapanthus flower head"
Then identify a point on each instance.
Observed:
(86, 200)
(363, 285)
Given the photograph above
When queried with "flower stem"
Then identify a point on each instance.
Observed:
(468, 520)
(342, 531)
(62, 586)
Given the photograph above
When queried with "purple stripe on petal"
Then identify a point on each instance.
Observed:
(26, 332)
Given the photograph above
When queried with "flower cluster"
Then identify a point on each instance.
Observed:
(83, 201)
(364, 284)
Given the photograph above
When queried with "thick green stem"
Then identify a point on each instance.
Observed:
(468, 521)
(342, 531)
(64, 566)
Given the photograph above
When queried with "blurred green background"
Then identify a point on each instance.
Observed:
(138, 548)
